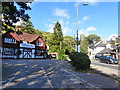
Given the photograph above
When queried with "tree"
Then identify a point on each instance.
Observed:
(28, 27)
(11, 14)
(58, 35)
(69, 44)
(93, 38)
(83, 44)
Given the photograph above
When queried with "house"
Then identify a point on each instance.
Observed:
(97, 47)
(22, 45)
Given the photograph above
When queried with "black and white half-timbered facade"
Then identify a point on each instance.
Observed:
(22, 45)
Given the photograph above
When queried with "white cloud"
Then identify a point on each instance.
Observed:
(112, 37)
(50, 27)
(91, 29)
(85, 18)
(79, 22)
(67, 22)
(49, 19)
(66, 30)
(86, 31)
(61, 13)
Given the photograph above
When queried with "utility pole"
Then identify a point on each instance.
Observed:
(77, 24)
(85, 4)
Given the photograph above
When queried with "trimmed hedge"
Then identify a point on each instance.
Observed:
(80, 60)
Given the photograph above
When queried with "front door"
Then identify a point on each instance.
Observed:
(27, 53)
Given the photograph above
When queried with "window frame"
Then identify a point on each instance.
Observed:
(9, 40)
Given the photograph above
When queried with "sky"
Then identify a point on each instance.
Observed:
(100, 18)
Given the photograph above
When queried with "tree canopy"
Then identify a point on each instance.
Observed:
(28, 27)
(83, 44)
(92, 38)
(12, 14)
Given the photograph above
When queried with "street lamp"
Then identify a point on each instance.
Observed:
(84, 4)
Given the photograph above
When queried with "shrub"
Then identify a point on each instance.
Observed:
(61, 53)
(64, 57)
(80, 61)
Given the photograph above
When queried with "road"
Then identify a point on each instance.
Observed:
(110, 66)
(108, 69)
(50, 74)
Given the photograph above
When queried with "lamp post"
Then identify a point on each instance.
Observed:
(85, 4)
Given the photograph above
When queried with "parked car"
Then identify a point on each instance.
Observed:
(53, 55)
(97, 56)
(108, 59)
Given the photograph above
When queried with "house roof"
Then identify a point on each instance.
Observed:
(98, 44)
(28, 37)
(19, 36)
(106, 50)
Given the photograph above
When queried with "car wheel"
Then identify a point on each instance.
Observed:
(108, 62)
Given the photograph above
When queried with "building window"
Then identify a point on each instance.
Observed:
(8, 51)
(39, 44)
(9, 40)
(37, 52)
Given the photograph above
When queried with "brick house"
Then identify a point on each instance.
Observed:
(22, 45)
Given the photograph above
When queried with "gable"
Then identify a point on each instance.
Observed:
(11, 35)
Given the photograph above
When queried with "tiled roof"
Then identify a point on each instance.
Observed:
(98, 44)
(106, 50)
(19, 36)
(28, 37)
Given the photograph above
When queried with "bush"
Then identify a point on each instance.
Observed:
(80, 61)
(61, 53)
(64, 57)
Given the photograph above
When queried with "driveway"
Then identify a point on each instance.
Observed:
(49, 74)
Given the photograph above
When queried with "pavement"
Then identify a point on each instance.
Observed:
(52, 74)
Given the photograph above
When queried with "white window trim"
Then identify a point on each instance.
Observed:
(39, 44)
(9, 40)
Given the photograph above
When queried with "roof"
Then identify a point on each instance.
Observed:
(106, 50)
(19, 36)
(28, 37)
(98, 44)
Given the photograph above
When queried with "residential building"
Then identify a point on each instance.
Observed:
(97, 47)
(22, 45)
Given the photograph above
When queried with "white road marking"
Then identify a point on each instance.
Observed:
(47, 78)
(80, 79)
(10, 80)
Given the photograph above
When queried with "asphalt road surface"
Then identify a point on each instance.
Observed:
(110, 66)
(49, 74)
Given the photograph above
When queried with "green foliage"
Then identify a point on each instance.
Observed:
(56, 39)
(61, 55)
(58, 35)
(84, 45)
(93, 38)
(28, 27)
(11, 13)
(64, 57)
(68, 44)
(80, 60)
(112, 42)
